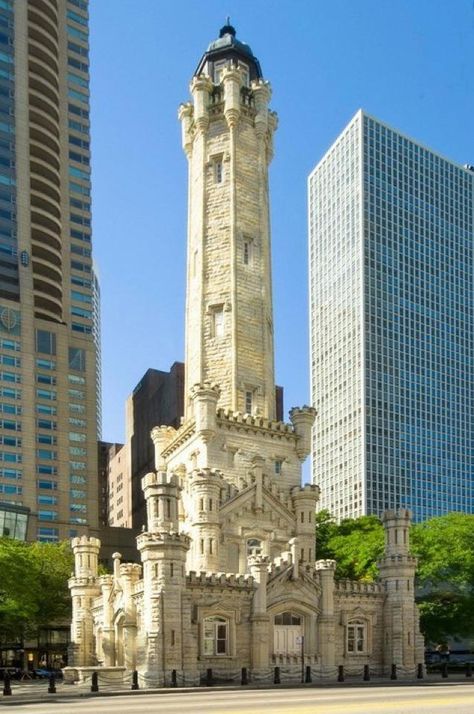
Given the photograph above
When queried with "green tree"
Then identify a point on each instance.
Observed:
(444, 547)
(326, 528)
(33, 586)
(356, 544)
(445, 575)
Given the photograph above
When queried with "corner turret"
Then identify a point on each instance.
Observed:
(403, 644)
(84, 586)
(302, 419)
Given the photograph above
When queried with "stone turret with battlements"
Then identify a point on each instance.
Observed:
(404, 644)
(163, 551)
(305, 499)
(84, 587)
(206, 486)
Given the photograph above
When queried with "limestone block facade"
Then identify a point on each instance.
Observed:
(230, 577)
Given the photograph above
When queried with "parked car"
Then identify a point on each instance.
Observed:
(42, 673)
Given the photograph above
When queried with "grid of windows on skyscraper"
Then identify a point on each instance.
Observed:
(419, 326)
(392, 325)
(9, 286)
(80, 232)
(11, 469)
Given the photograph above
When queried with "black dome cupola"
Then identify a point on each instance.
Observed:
(227, 48)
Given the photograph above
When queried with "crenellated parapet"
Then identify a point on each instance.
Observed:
(356, 588)
(326, 565)
(255, 425)
(221, 580)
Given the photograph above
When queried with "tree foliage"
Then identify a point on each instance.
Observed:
(444, 547)
(33, 586)
(445, 575)
(356, 544)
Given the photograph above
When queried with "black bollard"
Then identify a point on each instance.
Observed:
(340, 673)
(276, 675)
(419, 671)
(308, 677)
(95, 682)
(7, 687)
(52, 685)
(393, 673)
(444, 670)
(366, 673)
(135, 684)
(209, 677)
(244, 677)
(174, 678)
(468, 669)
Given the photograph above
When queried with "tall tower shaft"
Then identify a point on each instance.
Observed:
(227, 137)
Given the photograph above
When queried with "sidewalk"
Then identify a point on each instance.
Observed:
(36, 692)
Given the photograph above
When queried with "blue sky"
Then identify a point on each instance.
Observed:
(410, 63)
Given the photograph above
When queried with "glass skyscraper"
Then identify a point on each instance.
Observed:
(48, 311)
(392, 325)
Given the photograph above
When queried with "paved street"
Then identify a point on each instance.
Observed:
(457, 699)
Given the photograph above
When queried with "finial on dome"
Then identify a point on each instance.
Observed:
(227, 29)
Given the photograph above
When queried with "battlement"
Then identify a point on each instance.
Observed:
(211, 389)
(357, 587)
(258, 560)
(401, 514)
(229, 418)
(106, 580)
(82, 581)
(162, 538)
(211, 475)
(398, 559)
(326, 565)
(308, 491)
(304, 411)
(130, 570)
(86, 542)
(232, 580)
(159, 478)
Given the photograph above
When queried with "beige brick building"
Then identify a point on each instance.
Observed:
(229, 576)
(48, 289)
